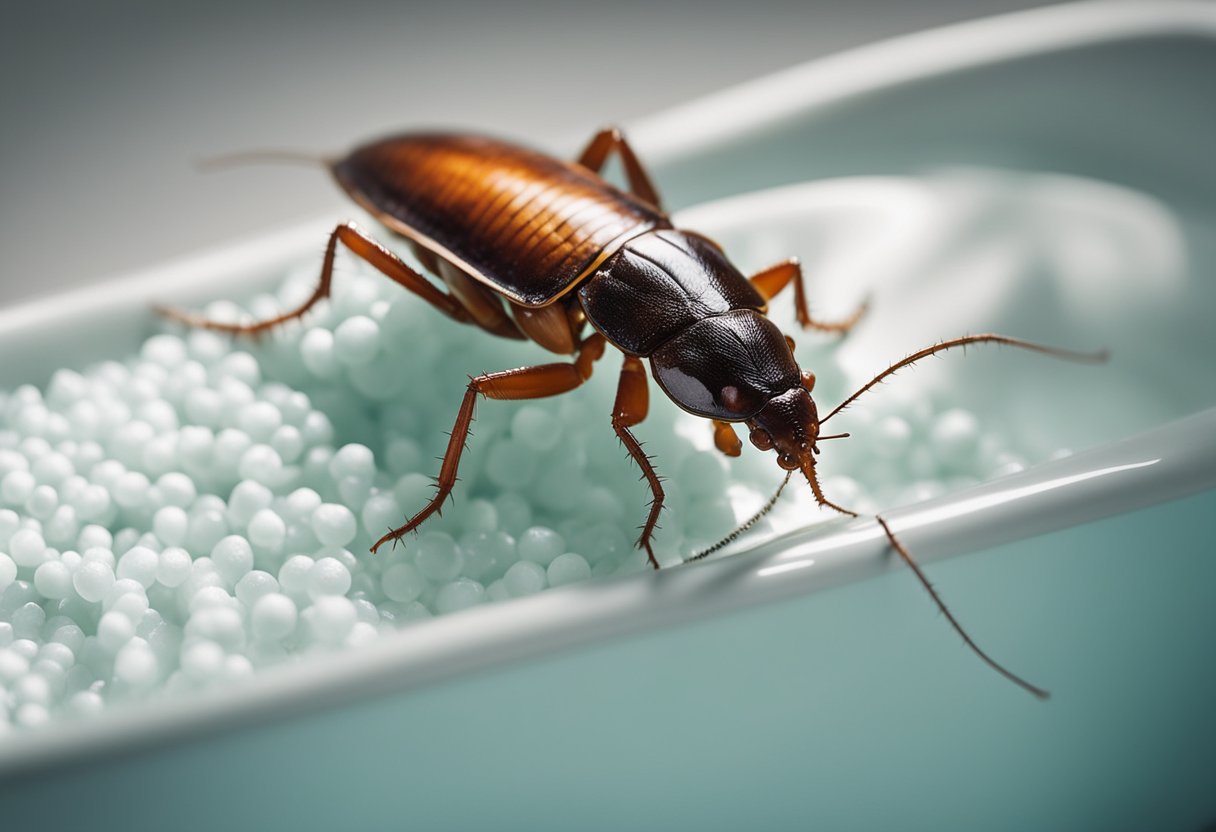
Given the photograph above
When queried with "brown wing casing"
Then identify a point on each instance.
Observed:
(526, 224)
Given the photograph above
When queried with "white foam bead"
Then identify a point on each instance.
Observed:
(210, 596)
(93, 536)
(293, 575)
(53, 469)
(173, 566)
(254, 585)
(159, 414)
(233, 558)
(459, 594)
(32, 714)
(301, 503)
(167, 351)
(160, 455)
(207, 528)
(353, 460)
(136, 665)
(317, 353)
(288, 442)
(92, 579)
(177, 489)
(402, 582)
(131, 489)
(331, 618)
(202, 660)
(8, 571)
(27, 620)
(261, 463)
(379, 514)
(524, 578)
(267, 530)
(85, 703)
(124, 540)
(31, 688)
(58, 653)
(260, 420)
(171, 525)
(139, 563)
(53, 579)
(333, 524)
(114, 630)
(27, 547)
(70, 636)
(362, 633)
(62, 527)
(237, 667)
(230, 447)
(10, 521)
(317, 429)
(356, 341)
(328, 576)
(240, 366)
(16, 487)
(93, 502)
(222, 625)
(272, 617)
(246, 500)
(128, 441)
(13, 665)
(954, 436)
(567, 569)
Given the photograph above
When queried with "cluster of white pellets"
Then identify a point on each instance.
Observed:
(179, 519)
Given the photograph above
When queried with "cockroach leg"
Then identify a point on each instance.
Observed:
(524, 383)
(958, 628)
(772, 280)
(363, 247)
(630, 408)
(725, 438)
(610, 140)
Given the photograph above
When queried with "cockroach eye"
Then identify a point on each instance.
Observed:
(787, 461)
(761, 439)
(731, 398)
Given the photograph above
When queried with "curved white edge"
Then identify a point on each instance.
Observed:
(690, 128)
(1166, 463)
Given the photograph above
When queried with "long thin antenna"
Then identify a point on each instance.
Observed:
(257, 157)
(986, 338)
(958, 628)
(753, 520)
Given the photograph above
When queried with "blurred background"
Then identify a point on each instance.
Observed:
(107, 106)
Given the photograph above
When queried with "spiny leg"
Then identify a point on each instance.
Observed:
(611, 139)
(725, 438)
(631, 406)
(985, 338)
(772, 280)
(362, 246)
(523, 383)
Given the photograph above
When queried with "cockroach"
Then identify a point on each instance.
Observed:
(528, 246)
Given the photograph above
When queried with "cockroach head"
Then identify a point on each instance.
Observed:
(789, 425)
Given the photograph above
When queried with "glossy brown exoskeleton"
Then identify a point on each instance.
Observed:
(529, 246)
